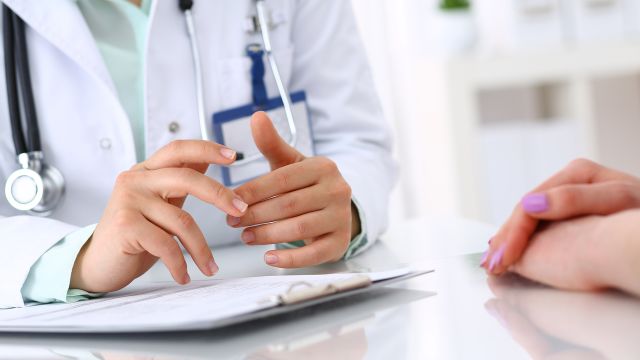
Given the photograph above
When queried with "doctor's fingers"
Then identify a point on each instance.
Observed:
(162, 245)
(284, 206)
(303, 227)
(285, 179)
(569, 201)
(180, 153)
(173, 183)
(180, 223)
(327, 248)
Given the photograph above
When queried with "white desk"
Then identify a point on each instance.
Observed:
(455, 313)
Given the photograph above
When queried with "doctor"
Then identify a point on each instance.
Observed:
(117, 111)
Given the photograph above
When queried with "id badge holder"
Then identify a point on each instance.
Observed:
(232, 127)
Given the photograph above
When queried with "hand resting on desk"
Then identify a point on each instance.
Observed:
(578, 230)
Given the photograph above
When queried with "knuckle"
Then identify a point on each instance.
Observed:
(185, 219)
(287, 260)
(203, 148)
(326, 165)
(341, 190)
(125, 179)
(283, 180)
(627, 192)
(174, 146)
(301, 230)
(251, 216)
(567, 196)
(289, 205)
(220, 191)
(313, 256)
(581, 165)
(187, 173)
(247, 192)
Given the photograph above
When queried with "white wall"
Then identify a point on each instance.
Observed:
(401, 36)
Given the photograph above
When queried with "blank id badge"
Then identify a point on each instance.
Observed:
(232, 128)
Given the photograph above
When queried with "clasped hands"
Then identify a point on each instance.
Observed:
(578, 230)
(300, 199)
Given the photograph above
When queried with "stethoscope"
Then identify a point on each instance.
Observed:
(38, 188)
(262, 25)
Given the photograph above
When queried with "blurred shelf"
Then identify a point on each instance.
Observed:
(532, 67)
(445, 92)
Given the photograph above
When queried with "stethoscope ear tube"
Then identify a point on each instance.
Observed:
(24, 76)
(11, 81)
(16, 60)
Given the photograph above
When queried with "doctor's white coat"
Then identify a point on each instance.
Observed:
(86, 133)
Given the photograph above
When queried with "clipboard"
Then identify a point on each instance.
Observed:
(85, 317)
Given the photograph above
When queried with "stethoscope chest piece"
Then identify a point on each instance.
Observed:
(36, 188)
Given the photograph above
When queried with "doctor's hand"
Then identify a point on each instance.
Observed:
(300, 199)
(581, 188)
(144, 217)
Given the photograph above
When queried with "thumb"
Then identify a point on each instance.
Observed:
(270, 144)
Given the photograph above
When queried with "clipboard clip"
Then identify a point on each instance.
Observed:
(308, 292)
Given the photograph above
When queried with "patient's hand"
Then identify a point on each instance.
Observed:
(582, 188)
(588, 253)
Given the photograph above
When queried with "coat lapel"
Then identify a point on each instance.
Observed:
(61, 23)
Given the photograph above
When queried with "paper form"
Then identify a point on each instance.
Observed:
(167, 305)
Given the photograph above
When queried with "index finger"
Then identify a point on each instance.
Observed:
(179, 153)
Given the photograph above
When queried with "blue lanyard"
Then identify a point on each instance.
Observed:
(258, 87)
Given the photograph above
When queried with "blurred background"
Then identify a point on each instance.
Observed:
(487, 98)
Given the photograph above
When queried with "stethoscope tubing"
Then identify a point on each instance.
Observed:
(263, 21)
(16, 60)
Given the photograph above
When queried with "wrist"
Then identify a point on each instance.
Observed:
(76, 274)
(613, 256)
(356, 226)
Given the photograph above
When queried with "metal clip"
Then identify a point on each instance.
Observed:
(311, 292)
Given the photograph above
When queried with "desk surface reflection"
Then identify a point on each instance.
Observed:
(454, 313)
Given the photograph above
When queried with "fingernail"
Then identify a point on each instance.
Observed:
(535, 203)
(490, 240)
(228, 153)
(186, 279)
(484, 258)
(213, 267)
(233, 221)
(248, 237)
(240, 205)
(271, 259)
(496, 258)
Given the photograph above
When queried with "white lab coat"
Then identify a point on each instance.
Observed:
(86, 133)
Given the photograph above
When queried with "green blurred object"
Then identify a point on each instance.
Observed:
(449, 5)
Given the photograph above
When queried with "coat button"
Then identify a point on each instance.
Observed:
(174, 127)
(105, 143)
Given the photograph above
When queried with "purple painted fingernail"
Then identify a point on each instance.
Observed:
(484, 258)
(490, 240)
(496, 258)
(535, 203)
